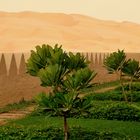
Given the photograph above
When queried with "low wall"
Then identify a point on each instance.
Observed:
(15, 84)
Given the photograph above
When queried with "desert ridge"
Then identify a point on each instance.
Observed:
(21, 32)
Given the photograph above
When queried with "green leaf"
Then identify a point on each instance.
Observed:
(51, 75)
(79, 80)
(115, 61)
(132, 68)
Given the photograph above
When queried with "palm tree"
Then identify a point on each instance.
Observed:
(44, 56)
(131, 69)
(66, 100)
(67, 74)
(64, 105)
(114, 64)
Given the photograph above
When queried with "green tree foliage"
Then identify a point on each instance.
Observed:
(117, 63)
(114, 64)
(45, 56)
(67, 74)
(131, 69)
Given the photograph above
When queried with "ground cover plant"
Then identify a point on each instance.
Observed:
(38, 126)
(52, 133)
(116, 94)
(22, 104)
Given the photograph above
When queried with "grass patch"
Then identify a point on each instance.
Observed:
(16, 106)
(127, 128)
(106, 84)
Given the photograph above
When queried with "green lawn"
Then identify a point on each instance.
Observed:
(127, 128)
(21, 105)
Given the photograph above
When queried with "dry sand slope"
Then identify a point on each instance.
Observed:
(20, 32)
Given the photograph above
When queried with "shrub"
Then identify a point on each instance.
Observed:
(18, 133)
(83, 134)
(115, 95)
(109, 95)
(117, 111)
(107, 110)
(135, 96)
(50, 133)
(135, 87)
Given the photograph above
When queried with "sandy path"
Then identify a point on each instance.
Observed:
(105, 89)
(15, 114)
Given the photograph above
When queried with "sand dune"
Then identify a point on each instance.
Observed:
(21, 32)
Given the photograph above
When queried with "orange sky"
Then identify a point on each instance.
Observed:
(104, 9)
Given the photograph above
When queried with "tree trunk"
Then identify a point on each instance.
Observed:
(130, 88)
(122, 86)
(65, 128)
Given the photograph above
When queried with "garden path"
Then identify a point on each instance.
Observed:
(15, 114)
(105, 89)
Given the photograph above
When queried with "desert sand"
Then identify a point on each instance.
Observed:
(21, 32)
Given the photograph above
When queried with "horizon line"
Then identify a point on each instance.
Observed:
(44, 12)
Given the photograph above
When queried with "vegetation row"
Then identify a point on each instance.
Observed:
(52, 133)
(68, 76)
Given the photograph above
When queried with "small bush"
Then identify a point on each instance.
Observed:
(109, 95)
(115, 95)
(50, 133)
(18, 133)
(117, 111)
(83, 134)
(106, 110)
(135, 87)
(135, 96)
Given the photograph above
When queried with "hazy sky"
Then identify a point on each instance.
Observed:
(104, 9)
